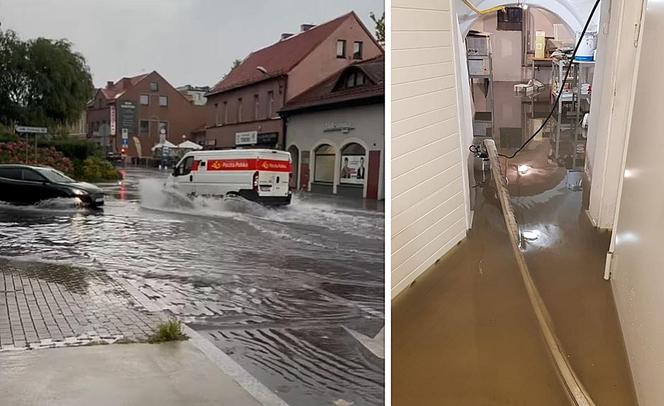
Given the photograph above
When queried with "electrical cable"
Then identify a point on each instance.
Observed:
(560, 91)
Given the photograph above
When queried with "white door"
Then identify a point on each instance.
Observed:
(638, 261)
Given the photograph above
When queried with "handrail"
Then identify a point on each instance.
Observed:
(487, 11)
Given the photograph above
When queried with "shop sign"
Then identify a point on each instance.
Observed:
(246, 138)
(267, 138)
(127, 116)
(344, 127)
(112, 120)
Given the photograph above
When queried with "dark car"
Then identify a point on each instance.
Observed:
(114, 157)
(25, 184)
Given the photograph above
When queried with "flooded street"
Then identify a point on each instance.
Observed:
(288, 293)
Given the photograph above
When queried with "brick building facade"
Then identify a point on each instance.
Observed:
(129, 115)
(243, 106)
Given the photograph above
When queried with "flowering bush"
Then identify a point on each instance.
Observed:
(17, 152)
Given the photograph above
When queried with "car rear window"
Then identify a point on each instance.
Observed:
(10, 173)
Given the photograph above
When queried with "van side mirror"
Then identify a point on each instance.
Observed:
(175, 171)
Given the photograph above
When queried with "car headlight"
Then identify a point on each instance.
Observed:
(79, 192)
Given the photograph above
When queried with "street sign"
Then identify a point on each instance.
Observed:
(125, 142)
(125, 134)
(32, 130)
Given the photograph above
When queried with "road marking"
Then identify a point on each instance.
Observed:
(376, 345)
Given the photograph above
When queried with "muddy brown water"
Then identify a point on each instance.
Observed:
(465, 333)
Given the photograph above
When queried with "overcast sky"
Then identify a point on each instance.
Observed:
(187, 41)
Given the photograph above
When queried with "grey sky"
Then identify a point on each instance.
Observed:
(187, 41)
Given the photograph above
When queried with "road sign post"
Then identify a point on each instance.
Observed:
(31, 130)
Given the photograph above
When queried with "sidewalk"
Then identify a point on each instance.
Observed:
(46, 305)
(59, 311)
(119, 374)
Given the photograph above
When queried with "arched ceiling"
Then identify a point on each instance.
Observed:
(572, 12)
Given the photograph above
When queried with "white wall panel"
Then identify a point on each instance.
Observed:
(429, 202)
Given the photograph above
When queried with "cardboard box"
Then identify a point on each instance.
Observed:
(540, 44)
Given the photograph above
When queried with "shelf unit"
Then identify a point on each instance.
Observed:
(572, 101)
(480, 66)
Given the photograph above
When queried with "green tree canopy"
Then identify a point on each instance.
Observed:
(42, 81)
(380, 27)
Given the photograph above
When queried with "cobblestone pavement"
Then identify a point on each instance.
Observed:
(45, 305)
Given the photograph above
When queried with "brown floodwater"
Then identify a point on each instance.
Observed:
(465, 333)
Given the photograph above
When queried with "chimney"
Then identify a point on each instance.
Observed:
(109, 84)
(285, 35)
(306, 27)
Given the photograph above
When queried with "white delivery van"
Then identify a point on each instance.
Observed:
(260, 175)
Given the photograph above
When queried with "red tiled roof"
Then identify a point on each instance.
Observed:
(122, 86)
(324, 94)
(278, 59)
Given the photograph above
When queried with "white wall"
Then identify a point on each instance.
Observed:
(610, 112)
(543, 20)
(429, 193)
(307, 131)
(638, 266)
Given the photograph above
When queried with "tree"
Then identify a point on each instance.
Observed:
(42, 81)
(380, 26)
(234, 65)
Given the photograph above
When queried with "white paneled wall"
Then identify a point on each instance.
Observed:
(428, 188)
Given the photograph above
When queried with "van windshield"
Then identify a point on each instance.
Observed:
(55, 176)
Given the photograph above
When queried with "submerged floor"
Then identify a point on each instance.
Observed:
(465, 333)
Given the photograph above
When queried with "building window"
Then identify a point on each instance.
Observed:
(357, 50)
(224, 113)
(163, 101)
(144, 128)
(239, 109)
(145, 99)
(216, 114)
(353, 167)
(163, 125)
(270, 103)
(351, 79)
(154, 86)
(256, 107)
(324, 165)
(341, 48)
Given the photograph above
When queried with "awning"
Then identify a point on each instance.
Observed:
(189, 145)
(161, 145)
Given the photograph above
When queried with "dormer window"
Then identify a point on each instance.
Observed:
(353, 78)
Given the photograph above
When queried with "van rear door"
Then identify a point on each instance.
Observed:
(274, 170)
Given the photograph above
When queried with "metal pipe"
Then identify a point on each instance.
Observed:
(570, 380)
(478, 11)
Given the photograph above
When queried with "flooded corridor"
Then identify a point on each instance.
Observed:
(465, 333)
(294, 295)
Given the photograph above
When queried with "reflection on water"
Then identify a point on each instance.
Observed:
(274, 287)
